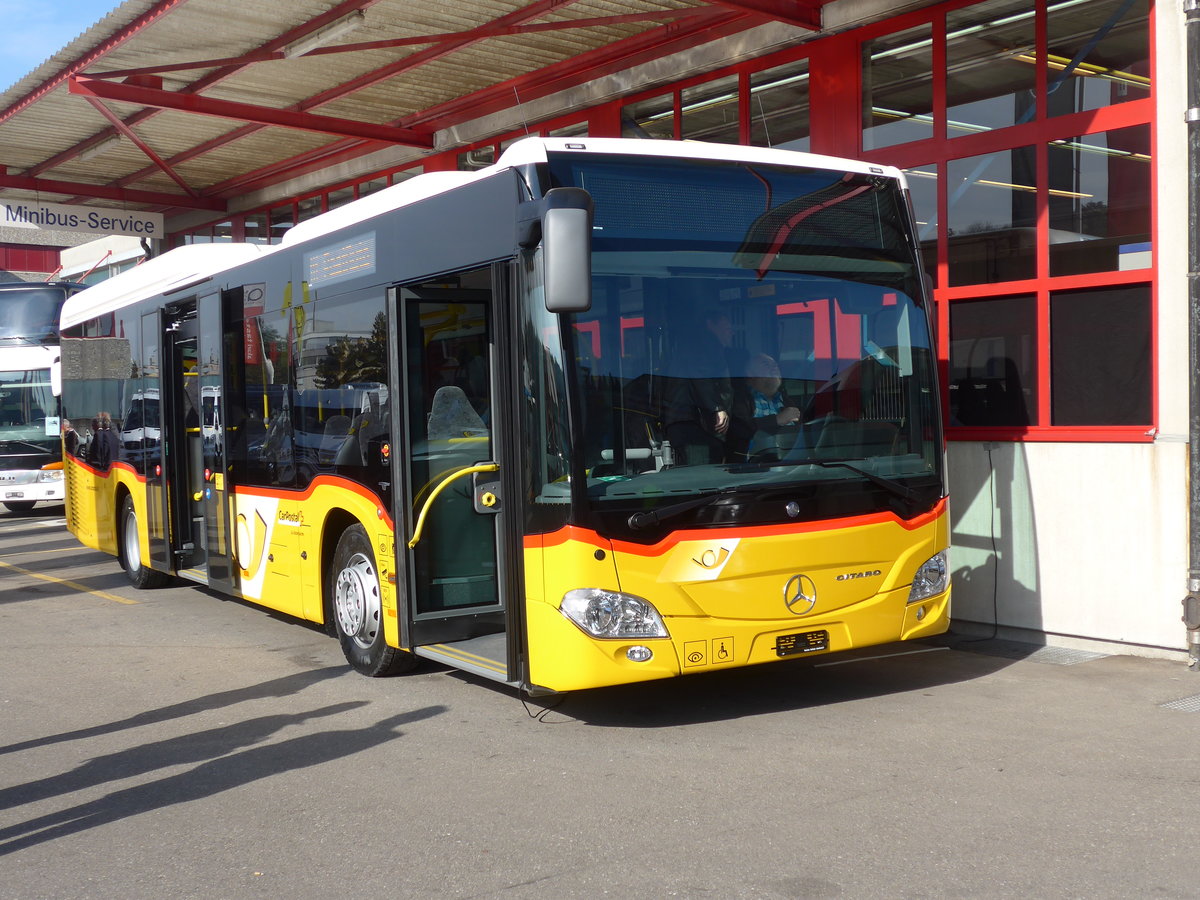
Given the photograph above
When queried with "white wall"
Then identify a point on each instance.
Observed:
(1090, 539)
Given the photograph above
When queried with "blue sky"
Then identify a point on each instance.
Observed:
(35, 29)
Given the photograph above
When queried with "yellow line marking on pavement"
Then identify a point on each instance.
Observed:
(104, 595)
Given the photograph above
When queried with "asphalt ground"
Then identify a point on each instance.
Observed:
(173, 743)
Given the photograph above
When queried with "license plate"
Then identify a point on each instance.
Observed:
(14, 495)
(805, 642)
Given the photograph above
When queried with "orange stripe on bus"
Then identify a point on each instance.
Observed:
(587, 536)
(321, 480)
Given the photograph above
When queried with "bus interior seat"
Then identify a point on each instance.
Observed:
(364, 427)
(336, 429)
(451, 415)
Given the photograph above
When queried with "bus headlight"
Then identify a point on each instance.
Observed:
(49, 475)
(610, 614)
(932, 577)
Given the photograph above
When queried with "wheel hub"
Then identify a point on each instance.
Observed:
(133, 550)
(356, 600)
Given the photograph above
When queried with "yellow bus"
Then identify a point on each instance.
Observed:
(607, 411)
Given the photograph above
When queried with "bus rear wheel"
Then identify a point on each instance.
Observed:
(357, 608)
(129, 550)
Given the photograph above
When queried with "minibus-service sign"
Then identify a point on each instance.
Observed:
(93, 219)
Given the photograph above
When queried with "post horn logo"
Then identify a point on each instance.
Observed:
(800, 595)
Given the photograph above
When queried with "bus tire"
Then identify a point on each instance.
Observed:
(129, 550)
(357, 606)
(20, 505)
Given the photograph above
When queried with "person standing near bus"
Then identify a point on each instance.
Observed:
(105, 447)
(70, 438)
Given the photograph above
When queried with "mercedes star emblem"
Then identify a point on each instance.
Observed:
(800, 595)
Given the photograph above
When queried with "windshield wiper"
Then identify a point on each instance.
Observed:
(640, 520)
(36, 447)
(902, 491)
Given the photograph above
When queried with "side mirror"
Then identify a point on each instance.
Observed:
(567, 249)
(56, 376)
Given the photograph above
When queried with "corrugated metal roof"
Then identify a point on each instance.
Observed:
(421, 65)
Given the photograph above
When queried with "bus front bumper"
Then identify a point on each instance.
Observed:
(37, 486)
(563, 658)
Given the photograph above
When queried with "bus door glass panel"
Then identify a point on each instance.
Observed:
(198, 471)
(447, 344)
(186, 452)
(142, 430)
(210, 412)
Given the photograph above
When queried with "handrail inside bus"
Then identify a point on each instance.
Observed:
(445, 482)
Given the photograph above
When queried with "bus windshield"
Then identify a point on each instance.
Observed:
(30, 314)
(27, 408)
(753, 329)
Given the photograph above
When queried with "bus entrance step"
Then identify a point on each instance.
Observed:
(485, 656)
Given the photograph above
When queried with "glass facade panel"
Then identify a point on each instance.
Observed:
(653, 118)
(1098, 54)
(308, 207)
(922, 187)
(370, 187)
(991, 213)
(1100, 356)
(897, 91)
(1100, 202)
(993, 353)
(256, 229)
(340, 197)
(282, 218)
(709, 112)
(779, 108)
(579, 129)
(990, 73)
(479, 158)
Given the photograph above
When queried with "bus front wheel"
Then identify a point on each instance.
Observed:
(129, 550)
(358, 608)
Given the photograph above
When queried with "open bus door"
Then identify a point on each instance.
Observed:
(458, 535)
(194, 445)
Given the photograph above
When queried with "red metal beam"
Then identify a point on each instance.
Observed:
(212, 78)
(569, 73)
(801, 13)
(139, 143)
(714, 24)
(538, 8)
(106, 192)
(157, 11)
(421, 57)
(664, 15)
(246, 112)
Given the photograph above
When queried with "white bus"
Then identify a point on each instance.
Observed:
(30, 427)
